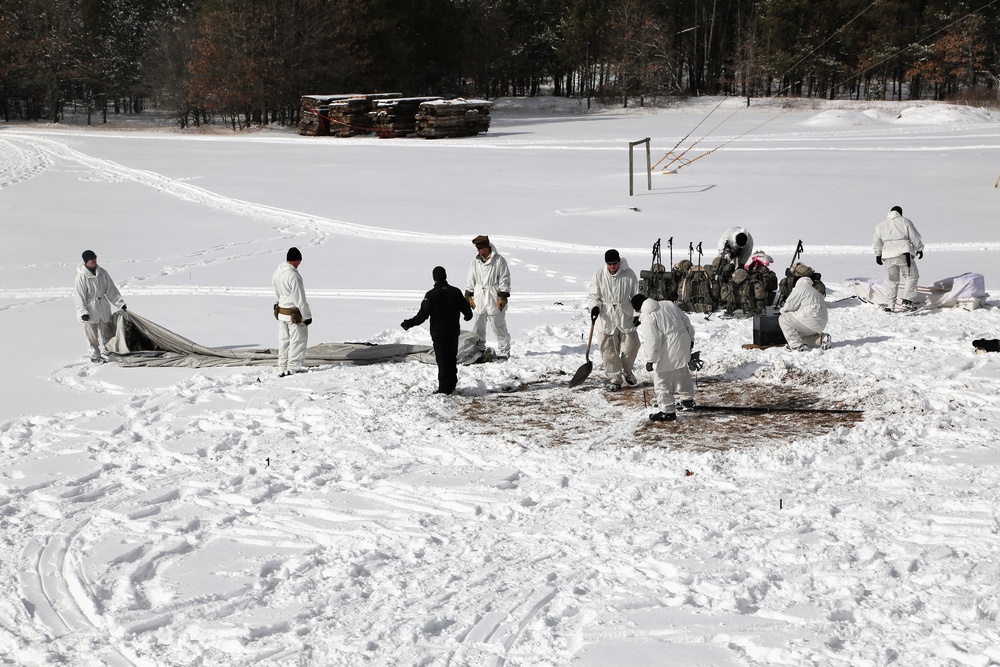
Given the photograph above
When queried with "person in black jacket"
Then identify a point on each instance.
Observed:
(443, 305)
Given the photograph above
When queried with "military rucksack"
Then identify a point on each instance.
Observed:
(792, 275)
(762, 284)
(695, 288)
(657, 283)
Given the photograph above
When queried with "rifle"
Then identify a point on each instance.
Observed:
(691, 252)
(727, 251)
(670, 246)
(795, 257)
(778, 301)
(699, 254)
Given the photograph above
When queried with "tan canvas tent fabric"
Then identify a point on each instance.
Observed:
(945, 293)
(142, 342)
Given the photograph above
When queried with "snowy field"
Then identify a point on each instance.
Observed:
(349, 517)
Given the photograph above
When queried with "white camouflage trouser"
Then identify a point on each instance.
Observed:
(95, 332)
(895, 267)
(673, 385)
(797, 333)
(499, 321)
(292, 339)
(618, 351)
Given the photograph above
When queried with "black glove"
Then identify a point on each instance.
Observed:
(406, 325)
(468, 317)
(695, 363)
(85, 317)
(594, 312)
(920, 254)
(649, 366)
(635, 321)
(878, 259)
(307, 322)
(124, 307)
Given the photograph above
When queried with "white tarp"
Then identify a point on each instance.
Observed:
(142, 342)
(945, 293)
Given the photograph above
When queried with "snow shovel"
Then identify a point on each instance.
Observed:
(583, 371)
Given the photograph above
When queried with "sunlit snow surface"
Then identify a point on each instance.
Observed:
(349, 517)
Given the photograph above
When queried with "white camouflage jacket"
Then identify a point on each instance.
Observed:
(895, 236)
(807, 304)
(95, 293)
(666, 334)
(290, 291)
(613, 295)
(486, 280)
(730, 236)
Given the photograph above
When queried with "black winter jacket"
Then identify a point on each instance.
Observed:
(443, 304)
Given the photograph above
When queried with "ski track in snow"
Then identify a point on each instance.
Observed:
(17, 164)
(346, 517)
(43, 151)
(401, 527)
(282, 217)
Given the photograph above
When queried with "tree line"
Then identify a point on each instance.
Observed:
(246, 62)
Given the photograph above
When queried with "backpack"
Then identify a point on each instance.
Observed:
(749, 290)
(762, 284)
(792, 275)
(696, 288)
(657, 283)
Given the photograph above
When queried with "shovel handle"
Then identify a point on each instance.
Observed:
(590, 339)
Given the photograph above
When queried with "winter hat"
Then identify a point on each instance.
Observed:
(637, 302)
(612, 256)
(896, 209)
(89, 255)
(741, 239)
(481, 241)
(439, 274)
(293, 255)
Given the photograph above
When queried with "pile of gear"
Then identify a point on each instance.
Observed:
(737, 282)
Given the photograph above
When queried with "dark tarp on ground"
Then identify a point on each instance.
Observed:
(141, 342)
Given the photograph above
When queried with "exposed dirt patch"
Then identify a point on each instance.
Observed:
(548, 413)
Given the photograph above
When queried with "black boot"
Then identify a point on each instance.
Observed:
(663, 416)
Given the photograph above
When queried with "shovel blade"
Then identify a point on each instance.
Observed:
(581, 373)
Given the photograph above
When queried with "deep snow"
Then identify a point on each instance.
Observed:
(348, 516)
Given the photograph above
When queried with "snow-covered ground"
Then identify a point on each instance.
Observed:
(349, 517)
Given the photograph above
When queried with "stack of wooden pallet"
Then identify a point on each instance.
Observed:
(397, 117)
(338, 115)
(314, 107)
(453, 118)
(351, 117)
